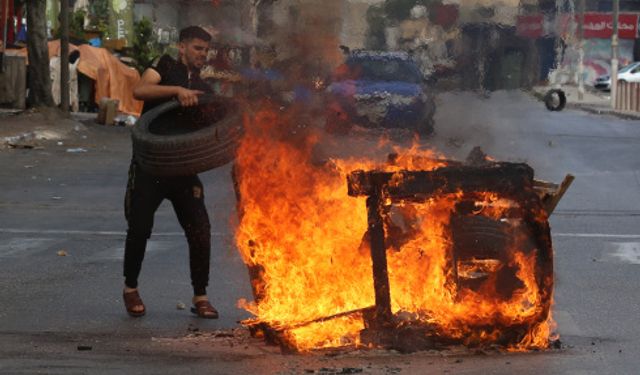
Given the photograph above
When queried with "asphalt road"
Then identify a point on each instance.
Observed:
(51, 306)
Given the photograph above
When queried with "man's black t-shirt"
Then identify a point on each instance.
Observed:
(175, 73)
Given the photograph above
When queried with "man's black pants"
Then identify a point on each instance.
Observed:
(144, 195)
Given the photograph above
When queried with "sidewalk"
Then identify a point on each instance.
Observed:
(31, 128)
(593, 101)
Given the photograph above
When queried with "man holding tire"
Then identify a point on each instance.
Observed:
(167, 79)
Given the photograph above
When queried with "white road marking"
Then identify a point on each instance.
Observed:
(220, 234)
(623, 252)
(92, 232)
(596, 235)
(153, 247)
(22, 246)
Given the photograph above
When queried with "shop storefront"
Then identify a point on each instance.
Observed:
(557, 41)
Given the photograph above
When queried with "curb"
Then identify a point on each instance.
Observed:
(593, 109)
(603, 111)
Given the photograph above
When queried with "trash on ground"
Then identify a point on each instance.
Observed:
(125, 120)
(181, 306)
(62, 253)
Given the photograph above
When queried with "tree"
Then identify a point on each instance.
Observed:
(39, 75)
(145, 49)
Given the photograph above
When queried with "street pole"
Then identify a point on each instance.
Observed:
(581, 5)
(64, 55)
(614, 54)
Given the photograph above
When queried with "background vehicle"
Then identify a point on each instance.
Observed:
(629, 73)
(380, 89)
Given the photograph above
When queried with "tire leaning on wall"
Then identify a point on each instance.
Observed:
(188, 153)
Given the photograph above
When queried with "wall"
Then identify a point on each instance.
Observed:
(597, 60)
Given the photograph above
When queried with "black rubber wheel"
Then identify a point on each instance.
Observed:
(555, 100)
(187, 153)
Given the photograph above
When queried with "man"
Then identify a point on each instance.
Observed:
(164, 80)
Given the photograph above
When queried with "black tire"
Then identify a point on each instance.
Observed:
(189, 153)
(555, 100)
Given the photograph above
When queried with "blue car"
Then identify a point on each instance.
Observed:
(380, 89)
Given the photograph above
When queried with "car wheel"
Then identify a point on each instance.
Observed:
(188, 153)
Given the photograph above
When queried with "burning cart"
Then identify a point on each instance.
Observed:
(415, 254)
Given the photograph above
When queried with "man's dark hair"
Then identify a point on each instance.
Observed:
(194, 32)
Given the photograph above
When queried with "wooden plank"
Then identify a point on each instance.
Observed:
(13, 82)
(627, 97)
(552, 202)
(379, 260)
(108, 109)
(20, 74)
(618, 102)
(506, 178)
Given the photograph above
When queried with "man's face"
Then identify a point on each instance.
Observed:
(194, 52)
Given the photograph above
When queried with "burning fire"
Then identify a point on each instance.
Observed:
(301, 236)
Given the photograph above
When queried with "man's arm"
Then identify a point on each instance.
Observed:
(149, 88)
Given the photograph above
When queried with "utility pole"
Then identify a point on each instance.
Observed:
(581, 6)
(614, 54)
(64, 56)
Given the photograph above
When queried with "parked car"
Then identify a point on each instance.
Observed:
(380, 89)
(629, 73)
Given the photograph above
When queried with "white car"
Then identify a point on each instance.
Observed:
(630, 73)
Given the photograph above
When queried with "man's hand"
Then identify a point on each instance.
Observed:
(188, 98)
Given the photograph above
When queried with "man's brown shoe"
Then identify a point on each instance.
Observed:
(131, 301)
(204, 310)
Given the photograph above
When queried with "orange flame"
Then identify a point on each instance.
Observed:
(302, 236)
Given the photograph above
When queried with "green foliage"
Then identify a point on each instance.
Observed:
(76, 25)
(99, 17)
(144, 49)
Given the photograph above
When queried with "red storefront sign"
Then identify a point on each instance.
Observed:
(599, 25)
(596, 25)
(530, 26)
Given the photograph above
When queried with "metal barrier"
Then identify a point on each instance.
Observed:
(628, 96)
